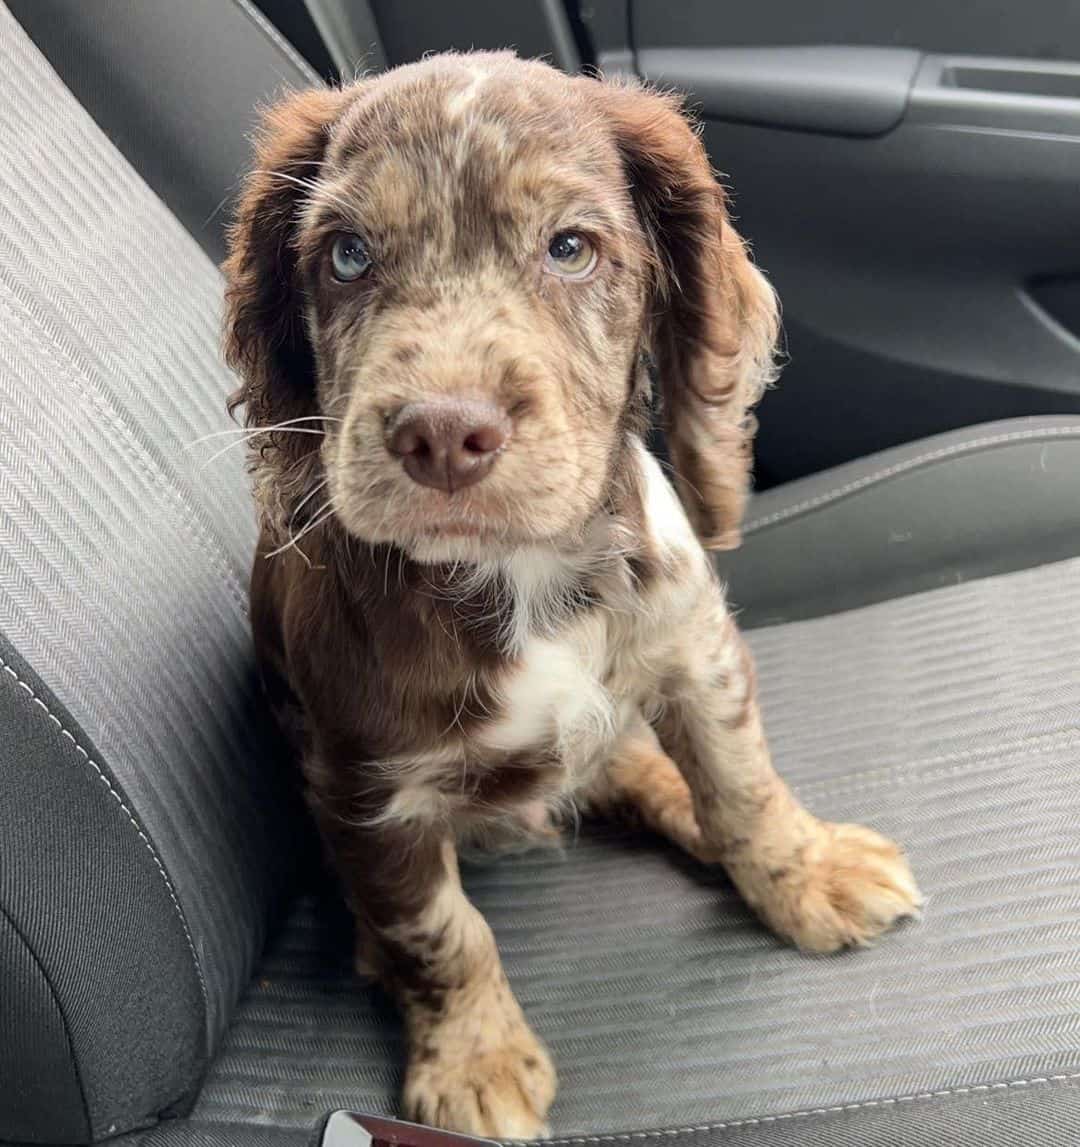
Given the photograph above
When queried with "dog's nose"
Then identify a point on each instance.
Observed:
(448, 443)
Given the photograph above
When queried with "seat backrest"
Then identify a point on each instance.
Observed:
(141, 830)
(175, 86)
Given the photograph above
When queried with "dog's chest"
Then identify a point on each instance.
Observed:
(563, 694)
(582, 664)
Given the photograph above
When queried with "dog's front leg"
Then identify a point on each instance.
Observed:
(474, 1064)
(821, 885)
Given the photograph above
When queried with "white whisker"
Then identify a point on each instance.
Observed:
(243, 441)
(325, 511)
(308, 185)
(259, 429)
(307, 498)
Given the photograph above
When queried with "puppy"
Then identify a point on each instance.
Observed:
(476, 592)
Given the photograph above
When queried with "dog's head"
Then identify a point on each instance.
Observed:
(454, 274)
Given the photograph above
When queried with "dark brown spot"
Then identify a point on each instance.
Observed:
(643, 570)
(406, 352)
(516, 781)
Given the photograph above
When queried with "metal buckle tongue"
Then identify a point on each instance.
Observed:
(354, 1129)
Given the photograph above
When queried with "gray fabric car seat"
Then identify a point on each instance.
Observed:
(149, 838)
(175, 86)
(140, 854)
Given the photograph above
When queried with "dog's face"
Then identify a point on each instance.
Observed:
(476, 281)
(455, 271)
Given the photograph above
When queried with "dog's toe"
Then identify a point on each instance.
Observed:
(503, 1092)
(851, 886)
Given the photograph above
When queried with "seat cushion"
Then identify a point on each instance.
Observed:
(950, 719)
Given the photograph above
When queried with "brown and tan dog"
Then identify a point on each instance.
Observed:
(444, 288)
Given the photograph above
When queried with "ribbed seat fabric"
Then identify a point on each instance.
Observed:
(950, 719)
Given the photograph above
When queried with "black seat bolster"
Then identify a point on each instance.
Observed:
(103, 1005)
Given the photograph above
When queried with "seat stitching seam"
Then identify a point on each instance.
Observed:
(891, 1101)
(272, 33)
(65, 732)
(902, 467)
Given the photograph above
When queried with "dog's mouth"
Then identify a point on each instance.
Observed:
(477, 514)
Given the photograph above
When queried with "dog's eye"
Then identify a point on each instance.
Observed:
(570, 255)
(350, 258)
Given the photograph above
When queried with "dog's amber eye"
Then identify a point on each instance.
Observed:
(570, 255)
(349, 258)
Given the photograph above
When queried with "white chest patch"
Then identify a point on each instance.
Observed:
(554, 696)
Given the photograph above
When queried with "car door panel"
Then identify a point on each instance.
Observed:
(919, 212)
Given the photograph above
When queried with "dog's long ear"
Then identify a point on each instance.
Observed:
(265, 339)
(715, 320)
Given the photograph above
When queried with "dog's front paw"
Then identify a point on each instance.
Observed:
(846, 886)
(469, 1074)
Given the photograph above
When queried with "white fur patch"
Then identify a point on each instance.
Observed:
(553, 693)
(463, 99)
(538, 578)
(666, 520)
(554, 696)
(416, 803)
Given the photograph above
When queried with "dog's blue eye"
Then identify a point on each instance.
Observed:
(570, 255)
(350, 258)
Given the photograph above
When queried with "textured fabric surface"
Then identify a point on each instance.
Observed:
(101, 1012)
(123, 563)
(175, 86)
(41, 1095)
(1039, 1112)
(950, 719)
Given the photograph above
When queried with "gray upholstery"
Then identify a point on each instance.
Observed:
(951, 719)
(175, 86)
(123, 571)
(98, 1033)
(145, 835)
(962, 505)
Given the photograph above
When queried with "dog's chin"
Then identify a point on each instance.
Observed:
(438, 549)
(469, 545)
(432, 542)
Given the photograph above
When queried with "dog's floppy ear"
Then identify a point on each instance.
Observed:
(714, 316)
(265, 339)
